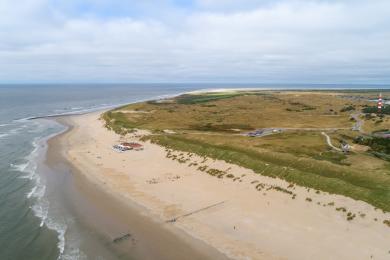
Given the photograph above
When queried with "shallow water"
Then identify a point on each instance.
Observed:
(32, 226)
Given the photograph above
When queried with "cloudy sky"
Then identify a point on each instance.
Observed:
(254, 41)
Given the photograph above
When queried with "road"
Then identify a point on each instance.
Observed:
(358, 124)
(275, 130)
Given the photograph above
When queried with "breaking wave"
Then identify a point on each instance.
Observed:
(3, 135)
(40, 204)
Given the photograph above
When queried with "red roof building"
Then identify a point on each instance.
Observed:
(135, 146)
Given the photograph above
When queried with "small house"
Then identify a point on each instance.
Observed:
(345, 147)
(120, 148)
(133, 146)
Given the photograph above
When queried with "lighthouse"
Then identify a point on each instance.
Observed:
(380, 103)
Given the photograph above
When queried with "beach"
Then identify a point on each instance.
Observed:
(188, 212)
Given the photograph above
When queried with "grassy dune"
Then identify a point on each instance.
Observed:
(374, 189)
(212, 125)
(253, 110)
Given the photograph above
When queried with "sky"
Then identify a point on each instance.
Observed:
(237, 41)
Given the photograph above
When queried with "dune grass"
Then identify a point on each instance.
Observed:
(202, 98)
(239, 110)
(212, 125)
(118, 122)
(322, 176)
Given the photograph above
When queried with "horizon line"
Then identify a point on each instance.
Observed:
(192, 83)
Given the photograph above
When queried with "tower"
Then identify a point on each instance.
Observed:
(380, 103)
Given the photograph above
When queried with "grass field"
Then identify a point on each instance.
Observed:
(214, 125)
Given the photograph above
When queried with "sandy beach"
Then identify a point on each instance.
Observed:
(235, 218)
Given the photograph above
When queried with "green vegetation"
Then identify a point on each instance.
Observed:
(326, 177)
(213, 125)
(343, 209)
(380, 146)
(299, 107)
(350, 216)
(334, 157)
(201, 98)
(374, 110)
(232, 110)
(348, 108)
(118, 122)
(216, 172)
(386, 222)
(221, 127)
(277, 188)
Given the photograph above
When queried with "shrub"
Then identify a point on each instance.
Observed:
(350, 216)
(377, 144)
(341, 209)
(374, 110)
(347, 108)
(386, 222)
(202, 168)
(328, 179)
(260, 186)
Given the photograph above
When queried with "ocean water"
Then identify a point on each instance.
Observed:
(29, 226)
(33, 224)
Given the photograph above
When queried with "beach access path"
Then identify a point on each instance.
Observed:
(329, 142)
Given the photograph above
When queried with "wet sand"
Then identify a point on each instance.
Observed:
(100, 217)
(150, 188)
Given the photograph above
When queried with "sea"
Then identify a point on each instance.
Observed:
(33, 222)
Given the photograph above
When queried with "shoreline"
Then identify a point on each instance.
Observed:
(239, 229)
(149, 237)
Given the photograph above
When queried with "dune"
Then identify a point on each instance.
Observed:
(243, 215)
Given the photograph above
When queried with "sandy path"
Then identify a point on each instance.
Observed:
(329, 142)
(251, 224)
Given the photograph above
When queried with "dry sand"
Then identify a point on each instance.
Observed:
(249, 224)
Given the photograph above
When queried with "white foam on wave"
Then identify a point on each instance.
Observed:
(12, 131)
(31, 193)
(67, 113)
(39, 189)
(94, 108)
(60, 228)
(29, 166)
(21, 120)
(3, 135)
(41, 209)
(72, 254)
(76, 108)
(41, 204)
(19, 167)
(36, 127)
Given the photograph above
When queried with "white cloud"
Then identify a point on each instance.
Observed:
(286, 41)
